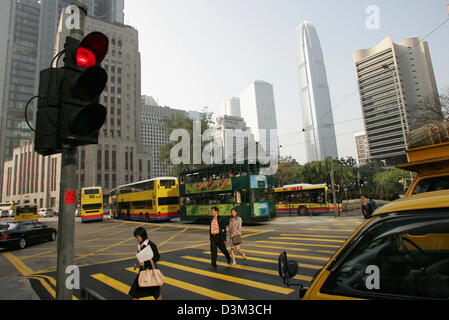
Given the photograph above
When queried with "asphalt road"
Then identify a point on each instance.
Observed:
(105, 254)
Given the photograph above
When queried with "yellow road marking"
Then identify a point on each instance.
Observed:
(307, 239)
(302, 265)
(342, 230)
(241, 281)
(45, 285)
(117, 285)
(248, 268)
(18, 264)
(195, 289)
(39, 254)
(290, 255)
(301, 244)
(293, 249)
(313, 236)
(172, 237)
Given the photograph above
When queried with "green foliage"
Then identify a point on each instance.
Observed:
(387, 182)
(180, 121)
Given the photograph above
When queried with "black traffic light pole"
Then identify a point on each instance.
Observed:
(67, 207)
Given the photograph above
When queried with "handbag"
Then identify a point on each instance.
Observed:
(236, 240)
(151, 277)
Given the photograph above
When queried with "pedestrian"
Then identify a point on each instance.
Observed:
(235, 231)
(217, 232)
(144, 243)
(372, 206)
(364, 206)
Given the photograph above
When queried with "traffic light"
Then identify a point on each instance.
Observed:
(82, 115)
(362, 183)
(47, 140)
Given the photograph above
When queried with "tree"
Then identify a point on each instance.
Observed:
(387, 182)
(181, 121)
(434, 108)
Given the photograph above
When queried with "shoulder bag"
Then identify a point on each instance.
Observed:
(151, 277)
(236, 240)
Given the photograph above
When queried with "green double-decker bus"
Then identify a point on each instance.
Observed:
(225, 187)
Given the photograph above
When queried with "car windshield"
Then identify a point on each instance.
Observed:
(8, 226)
(432, 184)
(410, 254)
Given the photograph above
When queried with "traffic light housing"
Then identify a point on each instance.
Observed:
(82, 115)
(69, 110)
(362, 183)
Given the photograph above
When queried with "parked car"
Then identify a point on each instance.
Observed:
(5, 214)
(18, 235)
(46, 212)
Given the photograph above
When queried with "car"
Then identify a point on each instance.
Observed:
(401, 252)
(12, 213)
(18, 235)
(46, 212)
(5, 214)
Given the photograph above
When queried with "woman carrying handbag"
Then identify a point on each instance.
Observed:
(148, 251)
(235, 230)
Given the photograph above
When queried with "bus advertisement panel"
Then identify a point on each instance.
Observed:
(91, 204)
(304, 199)
(224, 187)
(146, 201)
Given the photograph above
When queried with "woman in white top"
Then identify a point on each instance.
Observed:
(144, 242)
(235, 229)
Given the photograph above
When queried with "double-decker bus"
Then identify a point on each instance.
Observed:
(225, 186)
(146, 201)
(91, 204)
(304, 199)
(25, 212)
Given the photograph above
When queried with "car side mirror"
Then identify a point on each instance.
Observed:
(287, 269)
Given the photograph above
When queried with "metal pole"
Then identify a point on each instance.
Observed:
(67, 207)
(334, 194)
(66, 223)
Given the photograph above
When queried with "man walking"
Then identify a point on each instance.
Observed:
(364, 206)
(217, 232)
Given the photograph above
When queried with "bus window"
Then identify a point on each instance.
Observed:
(167, 183)
(168, 201)
(91, 191)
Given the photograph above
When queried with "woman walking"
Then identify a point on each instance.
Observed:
(144, 243)
(235, 230)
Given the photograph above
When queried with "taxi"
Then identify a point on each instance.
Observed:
(401, 252)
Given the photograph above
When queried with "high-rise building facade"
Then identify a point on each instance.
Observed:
(395, 80)
(119, 158)
(361, 143)
(318, 120)
(232, 133)
(259, 111)
(154, 134)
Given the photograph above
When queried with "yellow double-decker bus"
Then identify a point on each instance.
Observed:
(304, 199)
(91, 204)
(149, 200)
(25, 212)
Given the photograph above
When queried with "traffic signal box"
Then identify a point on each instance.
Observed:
(69, 109)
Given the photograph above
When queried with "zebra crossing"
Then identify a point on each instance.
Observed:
(187, 274)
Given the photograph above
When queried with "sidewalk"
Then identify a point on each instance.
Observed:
(13, 286)
(16, 289)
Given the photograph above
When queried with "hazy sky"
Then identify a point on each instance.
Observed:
(198, 53)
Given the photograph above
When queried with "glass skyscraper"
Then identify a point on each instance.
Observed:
(318, 120)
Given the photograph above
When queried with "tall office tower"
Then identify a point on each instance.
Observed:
(259, 111)
(154, 134)
(19, 21)
(227, 129)
(119, 157)
(395, 81)
(361, 142)
(318, 120)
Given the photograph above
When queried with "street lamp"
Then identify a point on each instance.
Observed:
(401, 110)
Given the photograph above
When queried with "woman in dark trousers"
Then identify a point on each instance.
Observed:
(137, 292)
(217, 234)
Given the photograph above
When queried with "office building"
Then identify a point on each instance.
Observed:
(259, 111)
(154, 134)
(395, 80)
(361, 142)
(316, 108)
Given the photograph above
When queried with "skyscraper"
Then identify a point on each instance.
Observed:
(318, 120)
(259, 111)
(395, 80)
(361, 143)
